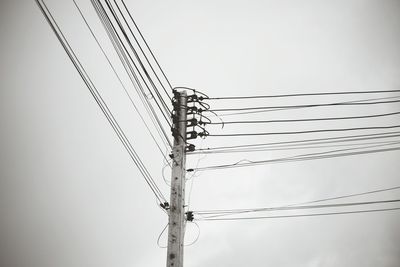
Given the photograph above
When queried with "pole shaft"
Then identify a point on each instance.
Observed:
(177, 200)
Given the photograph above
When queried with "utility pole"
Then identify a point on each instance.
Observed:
(176, 221)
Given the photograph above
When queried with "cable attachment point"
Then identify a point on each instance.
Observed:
(164, 205)
(176, 93)
(174, 132)
(189, 216)
(191, 135)
(192, 98)
(174, 117)
(191, 110)
(203, 134)
(190, 148)
(191, 123)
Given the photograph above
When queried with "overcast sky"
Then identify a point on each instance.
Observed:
(70, 195)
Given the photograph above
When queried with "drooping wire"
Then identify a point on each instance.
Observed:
(159, 236)
(166, 164)
(197, 237)
(128, 68)
(147, 60)
(193, 176)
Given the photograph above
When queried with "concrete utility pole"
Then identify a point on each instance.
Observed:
(176, 220)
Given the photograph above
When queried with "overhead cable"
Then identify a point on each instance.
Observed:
(125, 59)
(306, 106)
(306, 202)
(304, 94)
(217, 213)
(148, 47)
(120, 81)
(308, 131)
(162, 106)
(303, 157)
(293, 147)
(298, 215)
(304, 120)
(99, 100)
(291, 107)
(326, 140)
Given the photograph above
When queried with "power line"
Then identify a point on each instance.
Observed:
(305, 106)
(309, 202)
(124, 33)
(148, 47)
(298, 215)
(303, 157)
(304, 120)
(338, 139)
(123, 55)
(218, 214)
(302, 94)
(99, 100)
(140, 61)
(307, 131)
(293, 147)
(119, 79)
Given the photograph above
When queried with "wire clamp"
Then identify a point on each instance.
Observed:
(203, 134)
(192, 122)
(189, 216)
(190, 148)
(192, 98)
(164, 205)
(191, 110)
(191, 135)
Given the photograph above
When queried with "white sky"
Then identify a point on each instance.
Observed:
(70, 195)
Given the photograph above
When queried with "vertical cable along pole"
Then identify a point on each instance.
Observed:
(176, 219)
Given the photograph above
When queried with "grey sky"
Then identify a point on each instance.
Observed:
(70, 195)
